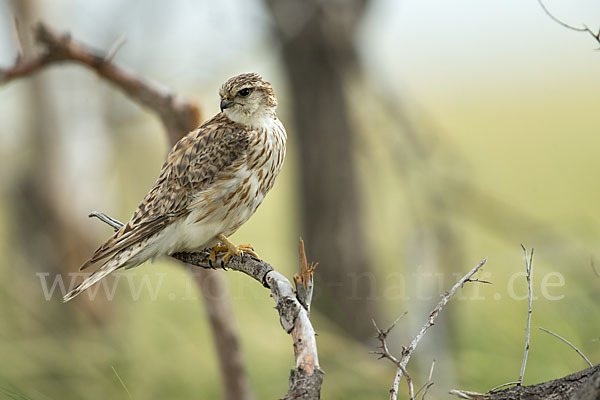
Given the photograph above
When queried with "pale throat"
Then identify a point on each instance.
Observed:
(260, 118)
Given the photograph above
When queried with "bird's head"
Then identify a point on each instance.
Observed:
(248, 99)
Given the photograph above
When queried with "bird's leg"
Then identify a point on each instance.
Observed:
(232, 249)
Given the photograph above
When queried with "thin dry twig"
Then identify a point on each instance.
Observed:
(571, 27)
(569, 343)
(465, 394)
(407, 351)
(18, 41)
(502, 386)
(114, 49)
(385, 353)
(528, 267)
(427, 384)
(122, 383)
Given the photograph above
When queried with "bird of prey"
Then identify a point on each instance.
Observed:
(214, 179)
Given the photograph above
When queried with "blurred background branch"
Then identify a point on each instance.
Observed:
(178, 117)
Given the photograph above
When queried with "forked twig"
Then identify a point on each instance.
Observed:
(385, 353)
(571, 27)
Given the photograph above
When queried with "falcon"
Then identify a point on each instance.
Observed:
(214, 179)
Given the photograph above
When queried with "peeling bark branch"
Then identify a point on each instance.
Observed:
(306, 379)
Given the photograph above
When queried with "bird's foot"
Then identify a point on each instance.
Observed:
(230, 250)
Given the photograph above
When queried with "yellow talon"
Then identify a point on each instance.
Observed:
(230, 249)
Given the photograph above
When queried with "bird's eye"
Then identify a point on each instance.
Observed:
(244, 92)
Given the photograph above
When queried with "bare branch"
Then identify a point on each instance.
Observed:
(427, 384)
(407, 352)
(528, 266)
(306, 379)
(385, 353)
(178, 115)
(571, 27)
(569, 343)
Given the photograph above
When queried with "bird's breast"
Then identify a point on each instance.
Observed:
(238, 191)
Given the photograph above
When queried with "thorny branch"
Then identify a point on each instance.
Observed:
(407, 351)
(571, 27)
(306, 379)
(385, 353)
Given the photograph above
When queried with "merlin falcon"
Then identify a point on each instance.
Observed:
(214, 179)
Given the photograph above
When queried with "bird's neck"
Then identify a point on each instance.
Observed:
(258, 119)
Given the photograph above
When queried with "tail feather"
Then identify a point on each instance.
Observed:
(122, 259)
(96, 276)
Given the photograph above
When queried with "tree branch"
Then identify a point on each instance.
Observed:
(582, 385)
(178, 115)
(306, 379)
(571, 27)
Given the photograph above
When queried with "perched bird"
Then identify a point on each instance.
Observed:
(212, 182)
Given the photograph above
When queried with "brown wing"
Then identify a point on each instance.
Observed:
(191, 166)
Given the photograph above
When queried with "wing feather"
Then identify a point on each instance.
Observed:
(191, 166)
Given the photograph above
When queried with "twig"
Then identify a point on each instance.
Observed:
(17, 31)
(427, 384)
(306, 379)
(122, 383)
(465, 394)
(502, 386)
(304, 280)
(407, 352)
(528, 266)
(385, 353)
(116, 225)
(114, 49)
(573, 28)
(569, 343)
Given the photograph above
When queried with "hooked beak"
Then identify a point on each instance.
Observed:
(225, 104)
